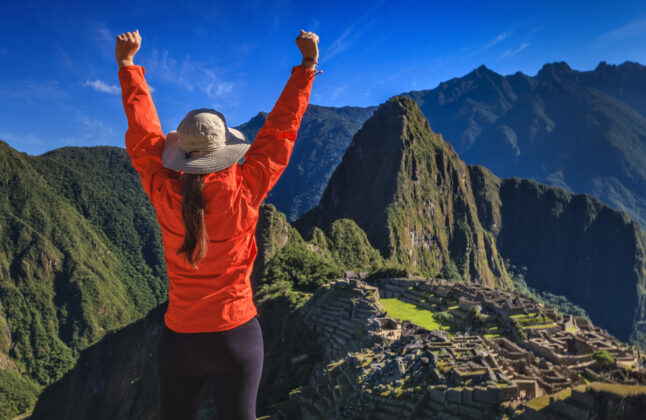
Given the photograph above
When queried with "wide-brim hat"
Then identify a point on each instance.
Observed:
(203, 144)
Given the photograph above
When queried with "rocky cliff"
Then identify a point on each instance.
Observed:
(572, 245)
(409, 191)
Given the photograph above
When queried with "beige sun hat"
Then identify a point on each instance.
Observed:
(203, 144)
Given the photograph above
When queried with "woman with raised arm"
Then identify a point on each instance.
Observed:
(207, 207)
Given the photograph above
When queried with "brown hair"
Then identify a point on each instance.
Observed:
(196, 240)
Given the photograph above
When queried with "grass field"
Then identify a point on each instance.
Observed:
(407, 311)
(551, 325)
(543, 401)
(619, 389)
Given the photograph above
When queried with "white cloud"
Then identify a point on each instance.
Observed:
(489, 44)
(166, 68)
(337, 91)
(389, 78)
(29, 90)
(102, 38)
(89, 131)
(510, 53)
(21, 139)
(190, 74)
(314, 25)
(66, 61)
(104, 33)
(101, 86)
(217, 89)
(630, 29)
(499, 38)
(351, 34)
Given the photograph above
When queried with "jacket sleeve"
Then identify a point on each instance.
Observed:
(144, 138)
(269, 154)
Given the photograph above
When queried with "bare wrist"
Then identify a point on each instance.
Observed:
(125, 62)
(308, 63)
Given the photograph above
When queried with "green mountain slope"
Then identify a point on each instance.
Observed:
(407, 188)
(116, 377)
(78, 256)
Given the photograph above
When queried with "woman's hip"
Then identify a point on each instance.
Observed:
(219, 352)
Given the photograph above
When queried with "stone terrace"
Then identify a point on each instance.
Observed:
(387, 369)
(340, 313)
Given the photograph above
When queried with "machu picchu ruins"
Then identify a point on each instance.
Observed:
(489, 353)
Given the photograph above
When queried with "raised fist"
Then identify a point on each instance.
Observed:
(307, 42)
(127, 46)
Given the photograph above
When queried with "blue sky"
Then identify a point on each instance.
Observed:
(59, 84)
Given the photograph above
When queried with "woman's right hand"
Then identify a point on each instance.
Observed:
(128, 43)
(307, 42)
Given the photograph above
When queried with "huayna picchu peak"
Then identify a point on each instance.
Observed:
(409, 191)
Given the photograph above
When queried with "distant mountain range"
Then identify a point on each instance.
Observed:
(582, 131)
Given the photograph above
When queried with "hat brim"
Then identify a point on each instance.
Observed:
(233, 150)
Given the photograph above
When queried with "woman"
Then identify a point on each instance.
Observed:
(207, 207)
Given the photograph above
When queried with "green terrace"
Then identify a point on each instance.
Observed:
(533, 320)
(432, 311)
(417, 315)
(575, 399)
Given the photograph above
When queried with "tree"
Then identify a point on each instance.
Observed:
(604, 359)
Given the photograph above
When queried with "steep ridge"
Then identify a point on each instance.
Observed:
(323, 136)
(572, 245)
(583, 131)
(78, 257)
(408, 190)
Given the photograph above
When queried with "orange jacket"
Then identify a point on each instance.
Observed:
(218, 295)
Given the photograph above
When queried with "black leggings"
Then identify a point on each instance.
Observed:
(232, 360)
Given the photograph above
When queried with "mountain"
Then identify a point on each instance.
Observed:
(583, 131)
(323, 136)
(408, 190)
(80, 254)
(571, 245)
(426, 210)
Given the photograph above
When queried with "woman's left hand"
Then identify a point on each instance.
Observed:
(127, 46)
